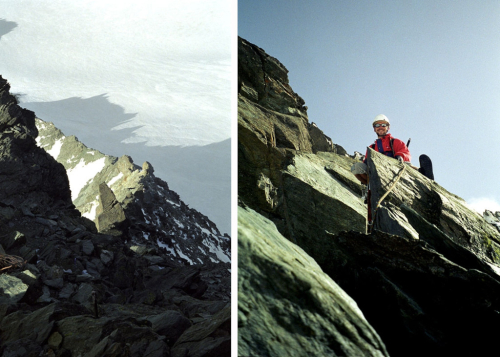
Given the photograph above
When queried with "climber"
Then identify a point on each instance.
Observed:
(386, 144)
(391, 147)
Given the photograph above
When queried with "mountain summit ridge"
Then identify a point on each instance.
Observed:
(157, 215)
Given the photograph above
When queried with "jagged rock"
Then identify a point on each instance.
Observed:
(171, 324)
(277, 166)
(264, 80)
(492, 218)
(320, 142)
(156, 215)
(287, 305)
(29, 177)
(111, 218)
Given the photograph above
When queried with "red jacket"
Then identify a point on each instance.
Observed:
(399, 147)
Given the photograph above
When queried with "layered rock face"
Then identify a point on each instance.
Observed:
(74, 291)
(426, 279)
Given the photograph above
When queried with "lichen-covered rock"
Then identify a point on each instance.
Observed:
(420, 208)
(287, 306)
(12, 289)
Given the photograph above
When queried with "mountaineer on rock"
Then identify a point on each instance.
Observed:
(391, 147)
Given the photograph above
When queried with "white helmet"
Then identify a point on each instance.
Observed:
(381, 117)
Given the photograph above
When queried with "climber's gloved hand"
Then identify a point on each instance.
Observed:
(400, 159)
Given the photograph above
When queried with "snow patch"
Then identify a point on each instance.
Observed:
(145, 216)
(179, 223)
(163, 245)
(217, 251)
(204, 230)
(55, 150)
(183, 255)
(114, 179)
(83, 173)
(92, 213)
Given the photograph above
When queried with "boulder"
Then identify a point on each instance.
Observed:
(111, 218)
(287, 306)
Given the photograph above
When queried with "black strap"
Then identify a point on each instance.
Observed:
(381, 148)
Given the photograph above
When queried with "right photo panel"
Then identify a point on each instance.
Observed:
(368, 207)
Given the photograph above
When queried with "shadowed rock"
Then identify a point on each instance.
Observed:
(110, 215)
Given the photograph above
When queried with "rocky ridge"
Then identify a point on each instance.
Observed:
(426, 281)
(156, 216)
(81, 292)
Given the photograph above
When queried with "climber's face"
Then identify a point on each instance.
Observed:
(381, 130)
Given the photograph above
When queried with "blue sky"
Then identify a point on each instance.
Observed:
(433, 67)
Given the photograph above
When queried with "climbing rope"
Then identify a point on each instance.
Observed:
(370, 225)
(11, 261)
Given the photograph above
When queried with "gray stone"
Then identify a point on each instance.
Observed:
(54, 283)
(45, 297)
(83, 293)
(12, 289)
(66, 291)
(87, 247)
(170, 324)
(106, 257)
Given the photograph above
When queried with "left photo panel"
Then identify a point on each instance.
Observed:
(115, 178)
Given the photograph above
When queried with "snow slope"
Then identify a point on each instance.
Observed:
(149, 79)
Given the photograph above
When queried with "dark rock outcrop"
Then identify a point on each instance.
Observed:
(427, 278)
(82, 292)
(111, 218)
(30, 179)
